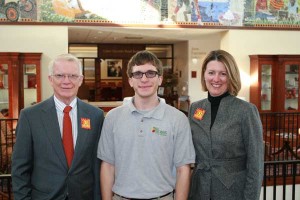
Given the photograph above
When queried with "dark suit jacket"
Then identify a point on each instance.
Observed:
(39, 166)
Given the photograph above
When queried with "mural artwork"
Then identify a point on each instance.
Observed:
(13, 10)
(185, 12)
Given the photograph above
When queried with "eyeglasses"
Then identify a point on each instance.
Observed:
(71, 77)
(139, 75)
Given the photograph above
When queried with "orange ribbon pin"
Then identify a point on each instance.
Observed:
(199, 113)
(85, 123)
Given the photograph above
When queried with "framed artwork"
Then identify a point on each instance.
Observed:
(30, 69)
(111, 69)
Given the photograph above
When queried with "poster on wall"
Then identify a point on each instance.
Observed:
(111, 69)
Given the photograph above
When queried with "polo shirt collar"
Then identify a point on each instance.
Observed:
(156, 113)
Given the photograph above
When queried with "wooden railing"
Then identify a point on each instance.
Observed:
(281, 132)
(7, 139)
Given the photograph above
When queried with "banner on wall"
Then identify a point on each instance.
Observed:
(184, 12)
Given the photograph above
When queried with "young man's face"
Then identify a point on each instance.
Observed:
(145, 87)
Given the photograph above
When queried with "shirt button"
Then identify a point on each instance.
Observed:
(141, 131)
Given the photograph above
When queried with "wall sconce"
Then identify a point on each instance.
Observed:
(194, 60)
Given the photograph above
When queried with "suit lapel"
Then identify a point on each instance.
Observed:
(82, 133)
(50, 121)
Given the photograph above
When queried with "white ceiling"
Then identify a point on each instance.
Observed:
(92, 34)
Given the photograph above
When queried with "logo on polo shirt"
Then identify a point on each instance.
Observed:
(155, 130)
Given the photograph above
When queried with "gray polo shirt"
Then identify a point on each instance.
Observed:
(145, 148)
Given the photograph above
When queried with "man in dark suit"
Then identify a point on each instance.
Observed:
(41, 168)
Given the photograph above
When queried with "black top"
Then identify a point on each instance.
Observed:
(214, 103)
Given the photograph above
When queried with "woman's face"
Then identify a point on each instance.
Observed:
(216, 78)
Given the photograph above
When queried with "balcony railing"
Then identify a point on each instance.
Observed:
(7, 139)
(281, 132)
(281, 175)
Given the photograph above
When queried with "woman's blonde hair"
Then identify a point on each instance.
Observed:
(234, 80)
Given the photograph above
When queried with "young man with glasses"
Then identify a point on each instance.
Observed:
(146, 146)
(55, 152)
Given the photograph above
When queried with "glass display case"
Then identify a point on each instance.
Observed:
(266, 87)
(19, 81)
(275, 82)
(291, 87)
(4, 102)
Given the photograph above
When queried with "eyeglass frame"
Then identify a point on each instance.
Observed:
(71, 77)
(141, 74)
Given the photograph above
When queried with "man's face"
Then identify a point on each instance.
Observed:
(145, 87)
(65, 80)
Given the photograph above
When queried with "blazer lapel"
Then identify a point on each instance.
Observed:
(223, 112)
(82, 133)
(50, 121)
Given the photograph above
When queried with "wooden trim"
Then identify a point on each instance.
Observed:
(193, 25)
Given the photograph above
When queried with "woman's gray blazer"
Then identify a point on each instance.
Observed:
(229, 156)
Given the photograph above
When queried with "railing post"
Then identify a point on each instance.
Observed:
(294, 180)
(284, 182)
(265, 183)
(274, 181)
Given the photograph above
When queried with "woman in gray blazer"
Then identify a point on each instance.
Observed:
(227, 135)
